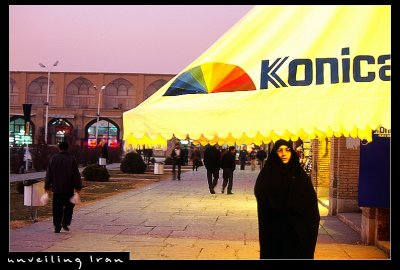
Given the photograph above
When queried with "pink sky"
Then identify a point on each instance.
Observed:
(131, 38)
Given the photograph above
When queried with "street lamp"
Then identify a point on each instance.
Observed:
(47, 98)
(98, 110)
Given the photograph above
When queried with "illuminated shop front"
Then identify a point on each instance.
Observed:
(17, 135)
(108, 131)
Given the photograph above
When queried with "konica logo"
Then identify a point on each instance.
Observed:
(304, 72)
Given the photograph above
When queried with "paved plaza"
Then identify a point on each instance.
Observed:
(172, 219)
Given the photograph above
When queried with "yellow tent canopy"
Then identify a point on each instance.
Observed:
(280, 72)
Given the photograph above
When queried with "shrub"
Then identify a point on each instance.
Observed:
(133, 163)
(93, 155)
(20, 187)
(114, 155)
(16, 159)
(95, 172)
(38, 160)
(168, 161)
(41, 155)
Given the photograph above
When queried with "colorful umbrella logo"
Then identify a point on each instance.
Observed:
(211, 77)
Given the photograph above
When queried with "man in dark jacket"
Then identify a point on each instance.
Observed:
(63, 179)
(177, 159)
(243, 157)
(228, 165)
(261, 156)
(104, 151)
(212, 163)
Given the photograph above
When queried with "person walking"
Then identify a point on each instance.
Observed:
(253, 158)
(184, 156)
(212, 162)
(222, 152)
(228, 165)
(196, 158)
(261, 156)
(63, 179)
(104, 151)
(287, 207)
(148, 155)
(177, 158)
(243, 157)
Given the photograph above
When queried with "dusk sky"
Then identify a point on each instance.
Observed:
(121, 39)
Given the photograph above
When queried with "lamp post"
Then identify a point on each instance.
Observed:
(47, 98)
(98, 111)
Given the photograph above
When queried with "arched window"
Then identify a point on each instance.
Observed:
(17, 135)
(13, 89)
(13, 92)
(37, 92)
(80, 93)
(119, 94)
(108, 131)
(59, 130)
(153, 87)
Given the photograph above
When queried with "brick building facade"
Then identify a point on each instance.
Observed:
(74, 101)
(335, 176)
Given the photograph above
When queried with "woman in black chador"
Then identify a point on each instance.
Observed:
(288, 216)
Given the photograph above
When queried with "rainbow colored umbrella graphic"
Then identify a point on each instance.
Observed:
(211, 77)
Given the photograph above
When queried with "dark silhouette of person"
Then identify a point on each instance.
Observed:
(185, 156)
(196, 158)
(253, 157)
(228, 165)
(148, 154)
(177, 159)
(287, 206)
(243, 157)
(212, 162)
(22, 164)
(63, 179)
(104, 151)
(261, 156)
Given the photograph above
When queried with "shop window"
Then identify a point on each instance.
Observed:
(17, 135)
(107, 131)
(58, 131)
